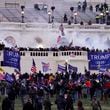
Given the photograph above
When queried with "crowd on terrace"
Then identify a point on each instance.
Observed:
(61, 48)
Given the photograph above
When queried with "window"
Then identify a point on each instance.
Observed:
(64, 53)
(33, 54)
(38, 54)
(69, 53)
(53, 54)
(77, 53)
(56, 54)
(23, 53)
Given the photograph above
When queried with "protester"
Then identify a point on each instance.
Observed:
(28, 105)
(47, 103)
(67, 86)
(69, 102)
(6, 104)
(61, 102)
(11, 96)
(80, 105)
(96, 104)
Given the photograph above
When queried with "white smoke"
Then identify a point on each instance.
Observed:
(92, 40)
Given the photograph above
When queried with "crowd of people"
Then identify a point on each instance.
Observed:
(61, 48)
(102, 13)
(35, 90)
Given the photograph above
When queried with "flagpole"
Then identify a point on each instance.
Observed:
(99, 68)
(49, 71)
(66, 66)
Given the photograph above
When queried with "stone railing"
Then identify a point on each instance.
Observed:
(29, 26)
(51, 53)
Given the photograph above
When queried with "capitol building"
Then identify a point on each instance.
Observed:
(39, 30)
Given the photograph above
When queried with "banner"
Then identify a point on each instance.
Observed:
(8, 77)
(12, 58)
(45, 67)
(102, 69)
(61, 68)
(107, 73)
(72, 68)
(99, 60)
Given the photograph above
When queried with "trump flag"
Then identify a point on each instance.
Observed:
(45, 67)
(72, 68)
(11, 58)
(61, 68)
(8, 77)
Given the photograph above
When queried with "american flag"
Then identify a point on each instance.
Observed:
(33, 68)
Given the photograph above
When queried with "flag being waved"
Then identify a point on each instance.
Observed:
(58, 39)
(8, 77)
(70, 44)
(45, 67)
(1, 76)
(33, 68)
(72, 68)
(11, 58)
(17, 71)
(61, 68)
